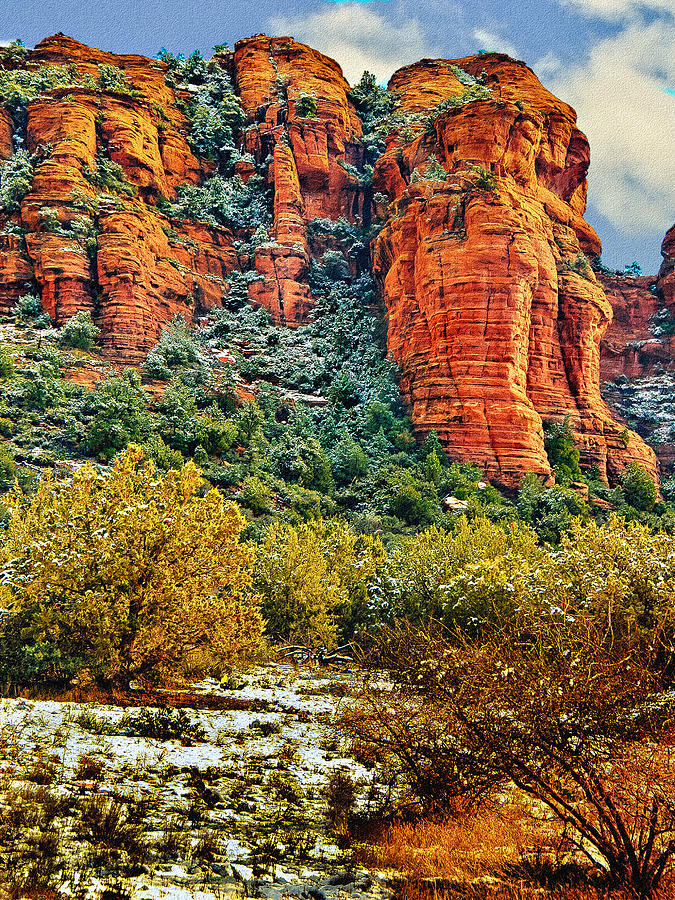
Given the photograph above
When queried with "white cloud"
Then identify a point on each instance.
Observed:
(620, 97)
(547, 66)
(359, 38)
(618, 10)
(488, 40)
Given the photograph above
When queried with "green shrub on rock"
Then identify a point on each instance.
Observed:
(79, 332)
(16, 180)
(638, 486)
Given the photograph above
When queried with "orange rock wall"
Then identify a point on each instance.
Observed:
(141, 268)
(666, 278)
(493, 317)
(6, 130)
(638, 341)
(271, 74)
(629, 346)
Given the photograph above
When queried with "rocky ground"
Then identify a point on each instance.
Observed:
(146, 803)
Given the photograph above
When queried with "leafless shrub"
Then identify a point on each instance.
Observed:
(555, 706)
(104, 822)
(340, 794)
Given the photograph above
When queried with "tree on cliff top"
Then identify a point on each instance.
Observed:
(128, 572)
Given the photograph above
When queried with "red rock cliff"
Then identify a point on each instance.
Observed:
(307, 144)
(495, 316)
(138, 269)
(666, 277)
(493, 313)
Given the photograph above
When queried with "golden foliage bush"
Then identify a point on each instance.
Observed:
(314, 578)
(569, 714)
(129, 572)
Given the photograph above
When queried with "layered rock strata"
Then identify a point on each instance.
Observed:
(86, 247)
(637, 353)
(302, 121)
(495, 316)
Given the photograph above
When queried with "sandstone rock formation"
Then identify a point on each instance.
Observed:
(635, 342)
(641, 337)
(637, 353)
(494, 315)
(137, 269)
(666, 277)
(274, 76)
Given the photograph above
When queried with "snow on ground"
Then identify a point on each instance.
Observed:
(233, 804)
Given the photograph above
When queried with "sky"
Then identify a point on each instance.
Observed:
(612, 60)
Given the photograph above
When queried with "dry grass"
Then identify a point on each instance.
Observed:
(499, 853)
(460, 848)
(91, 693)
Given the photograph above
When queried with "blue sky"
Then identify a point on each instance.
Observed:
(613, 60)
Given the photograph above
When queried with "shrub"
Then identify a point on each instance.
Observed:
(215, 433)
(639, 487)
(623, 576)
(105, 822)
(162, 724)
(306, 105)
(340, 794)
(466, 577)
(116, 414)
(550, 511)
(19, 86)
(14, 52)
(6, 363)
(110, 176)
(483, 178)
(28, 307)
(130, 572)
(110, 78)
(224, 201)
(7, 468)
(163, 456)
(313, 578)
(16, 180)
(175, 349)
(563, 456)
(300, 457)
(256, 495)
(550, 703)
(79, 331)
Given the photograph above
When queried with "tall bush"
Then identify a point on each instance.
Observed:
(129, 573)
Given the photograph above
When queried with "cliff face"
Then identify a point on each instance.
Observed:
(140, 269)
(666, 277)
(307, 144)
(637, 340)
(641, 337)
(494, 315)
(637, 361)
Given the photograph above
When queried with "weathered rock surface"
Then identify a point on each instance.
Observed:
(273, 75)
(130, 266)
(494, 316)
(637, 361)
(6, 131)
(634, 343)
(493, 313)
(666, 277)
